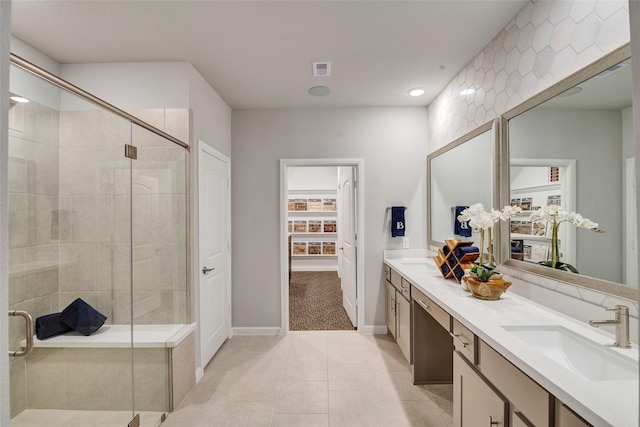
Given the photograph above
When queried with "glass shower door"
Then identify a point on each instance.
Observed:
(70, 236)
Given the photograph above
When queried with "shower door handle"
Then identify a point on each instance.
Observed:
(205, 270)
(28, 331)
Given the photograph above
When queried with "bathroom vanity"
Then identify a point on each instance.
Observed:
(512, 361)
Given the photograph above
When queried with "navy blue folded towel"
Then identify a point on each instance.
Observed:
(50, 325)
(397, 221)
(461, 228)
(461, 251)
(82, 318)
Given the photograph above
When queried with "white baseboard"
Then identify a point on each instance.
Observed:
(255, 331)
(373, 329)
(313, 268)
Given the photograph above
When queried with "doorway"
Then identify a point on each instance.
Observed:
(321, 244)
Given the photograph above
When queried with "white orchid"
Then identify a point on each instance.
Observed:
(481, 221)
(555, 215)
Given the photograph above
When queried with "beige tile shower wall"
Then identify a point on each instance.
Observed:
(33, 225)
(33, 211)
(94, 197)
(544, 43)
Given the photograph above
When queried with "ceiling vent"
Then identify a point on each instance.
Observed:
(321, 69)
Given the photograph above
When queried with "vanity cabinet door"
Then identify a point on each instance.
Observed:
(567, 418)
(475, 403)
(391, 309)
(533, 401)
(403, 325)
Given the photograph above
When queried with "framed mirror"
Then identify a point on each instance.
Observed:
(570, 149)
(460, 174)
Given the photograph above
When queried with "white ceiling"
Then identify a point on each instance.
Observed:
(258, 54)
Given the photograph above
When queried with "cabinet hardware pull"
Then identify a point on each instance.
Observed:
(425, 306)
(457, 338)
(491, 422)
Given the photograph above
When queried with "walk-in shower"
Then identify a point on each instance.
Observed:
(98, 208)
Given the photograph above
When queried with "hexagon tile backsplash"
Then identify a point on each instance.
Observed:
(544, 43)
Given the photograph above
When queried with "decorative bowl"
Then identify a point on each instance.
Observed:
(489, 290)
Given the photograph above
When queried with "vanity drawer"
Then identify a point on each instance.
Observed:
(387, 272)
(525, 394)
(405, 288)
(464, 341)
(565, 417)
(395, 278)
(431, 307)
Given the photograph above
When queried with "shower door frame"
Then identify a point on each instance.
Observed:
(55, 80)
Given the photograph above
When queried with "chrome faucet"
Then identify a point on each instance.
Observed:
(621, 322)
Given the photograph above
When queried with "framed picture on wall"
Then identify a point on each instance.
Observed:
(526, 203)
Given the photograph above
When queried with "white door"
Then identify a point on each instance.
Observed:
(214, 268)
(347, 213)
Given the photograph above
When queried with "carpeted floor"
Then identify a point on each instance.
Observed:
(315, 302)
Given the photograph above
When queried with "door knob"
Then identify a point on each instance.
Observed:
(205, 270)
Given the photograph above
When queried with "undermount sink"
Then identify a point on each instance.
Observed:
(586, 358)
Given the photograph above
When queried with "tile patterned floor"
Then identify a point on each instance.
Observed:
(311, 378)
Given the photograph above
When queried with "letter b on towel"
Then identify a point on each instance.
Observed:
(397, 221)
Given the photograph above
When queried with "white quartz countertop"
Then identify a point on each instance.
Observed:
(601, 403)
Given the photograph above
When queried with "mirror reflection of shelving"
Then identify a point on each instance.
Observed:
(533, 187)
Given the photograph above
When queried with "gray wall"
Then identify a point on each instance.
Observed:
(393, 144)
(594, 139)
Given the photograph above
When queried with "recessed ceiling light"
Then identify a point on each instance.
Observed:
(467, 91)
(18, 99)
(319, 91)
(416, 91)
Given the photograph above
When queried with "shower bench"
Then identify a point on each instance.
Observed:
(72, 371)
